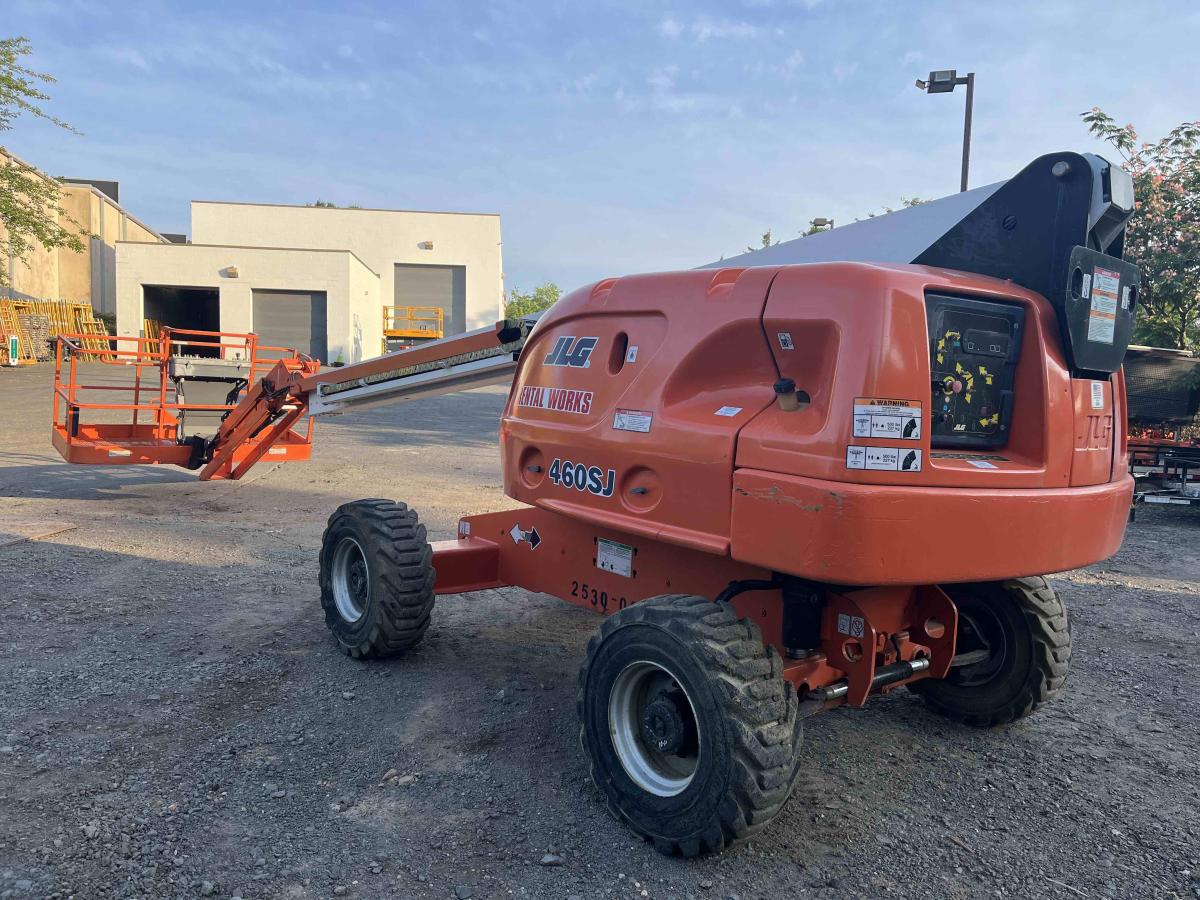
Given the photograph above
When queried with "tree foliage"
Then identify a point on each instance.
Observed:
(765, 241)
(1163, 236)
(30, 208)
(540, 298)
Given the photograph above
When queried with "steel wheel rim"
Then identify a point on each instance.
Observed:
(639, 688)
(350, 577)
(987, 631)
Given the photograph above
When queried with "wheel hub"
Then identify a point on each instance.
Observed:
(663, 725)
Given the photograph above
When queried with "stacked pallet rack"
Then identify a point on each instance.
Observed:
(64, 316)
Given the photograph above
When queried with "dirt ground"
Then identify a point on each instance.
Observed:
(175, 721)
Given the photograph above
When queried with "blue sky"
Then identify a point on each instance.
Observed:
(612, 137)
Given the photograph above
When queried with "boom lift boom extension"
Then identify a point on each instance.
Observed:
(282, 396)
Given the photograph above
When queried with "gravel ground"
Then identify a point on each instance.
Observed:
(175, 721)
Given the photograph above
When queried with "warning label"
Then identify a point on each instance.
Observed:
(854, 626)
(633, 420)
(614, 557)
(883, 459)
(880, 418)
(1102, 319)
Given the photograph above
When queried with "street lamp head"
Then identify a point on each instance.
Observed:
(922, 84)
(942, 81)
(821, 222)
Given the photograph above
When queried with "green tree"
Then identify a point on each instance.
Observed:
(766, 241)
(30, 208)
(1163, 235)
(540, 298)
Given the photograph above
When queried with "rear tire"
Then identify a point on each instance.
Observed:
(1023, 627)
(692, 732)
(376, 578)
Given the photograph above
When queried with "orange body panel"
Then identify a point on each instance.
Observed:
(645, 405)
(862, 534)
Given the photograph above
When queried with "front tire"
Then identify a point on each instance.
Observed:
(1018, 639)
(692, 732)
(376, 578)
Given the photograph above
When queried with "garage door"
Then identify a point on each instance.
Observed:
(295, 319)
(442, 286)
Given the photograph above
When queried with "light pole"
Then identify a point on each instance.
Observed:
(943, 81)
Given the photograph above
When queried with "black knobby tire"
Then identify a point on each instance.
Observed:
(376, 561)
(747, 731)
(1025, 629)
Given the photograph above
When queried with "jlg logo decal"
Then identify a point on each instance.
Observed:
(556, 399)
(572, 351)
(583, 478)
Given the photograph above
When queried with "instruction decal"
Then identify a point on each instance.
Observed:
(883, 459)
(1102, 319)
(728, 411)
(556, 399)
(614, 557)
(785, 340)
(633, 420)
(631, 354)
(877, 417)
(1097, 395)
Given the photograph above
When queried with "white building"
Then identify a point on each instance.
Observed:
(313, 278)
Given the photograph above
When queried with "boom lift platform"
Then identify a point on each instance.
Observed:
(789, 487)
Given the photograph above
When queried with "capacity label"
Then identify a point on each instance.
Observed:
(877, 417)
(883, 459)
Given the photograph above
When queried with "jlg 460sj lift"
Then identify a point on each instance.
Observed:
(789, 487)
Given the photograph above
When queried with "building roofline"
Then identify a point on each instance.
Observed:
(423, 212)
(91, 187)
(107, 199)
(251, 247)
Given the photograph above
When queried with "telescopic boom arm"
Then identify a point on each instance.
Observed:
(281, 397)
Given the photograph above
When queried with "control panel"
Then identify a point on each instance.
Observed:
(974, 346)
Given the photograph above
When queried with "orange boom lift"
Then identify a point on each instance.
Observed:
(788, 486)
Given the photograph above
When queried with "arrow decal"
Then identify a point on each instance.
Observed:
(530, 537)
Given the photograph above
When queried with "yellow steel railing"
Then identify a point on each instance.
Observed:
(421, 322)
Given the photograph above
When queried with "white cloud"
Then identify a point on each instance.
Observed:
(706, 29)
(127, 55)
(794, 61)
(345, 51)
(842, 72)
(670, 28)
